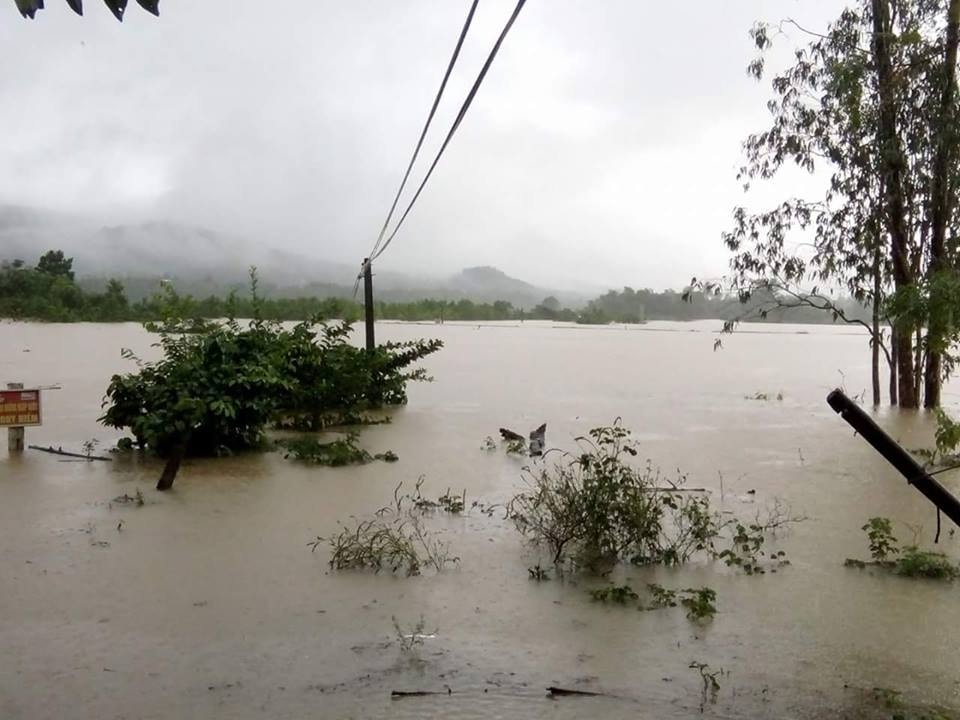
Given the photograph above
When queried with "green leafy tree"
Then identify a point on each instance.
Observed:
(870, 103)
(219, 386)
(53, 262)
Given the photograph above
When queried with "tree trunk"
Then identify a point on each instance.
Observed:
(875, 362)
(172, 467)
(892, 165)
(875, 328)
(918, 361)
(941, 202)
(893, 367)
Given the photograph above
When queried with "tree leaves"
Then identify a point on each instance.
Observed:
(28, 8)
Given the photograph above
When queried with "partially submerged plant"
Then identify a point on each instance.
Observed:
(595, 508)
(336, 453)
(342, 451)
(916, 563)
(661, 597)
(394, 539)
(538, 573)
(517, 447)
(453, 504)
(409, 639)
(619, 594)
(909, 561)
(89, 446)
(711, 685)
(125, 499)
(699, 602)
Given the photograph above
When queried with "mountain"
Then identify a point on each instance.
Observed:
(201, 262)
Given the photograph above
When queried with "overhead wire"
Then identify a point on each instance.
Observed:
(453, 129)
(423, 135)
(426, 125)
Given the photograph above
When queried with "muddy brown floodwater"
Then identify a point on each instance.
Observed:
(207, 602)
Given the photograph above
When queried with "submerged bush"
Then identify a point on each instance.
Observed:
(218, 387)
(910, 561)
(393, 539)
(914, 562)
(335, 453)
(595, 508)
(619, 594)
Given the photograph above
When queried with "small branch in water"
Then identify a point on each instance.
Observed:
(565, 692)
(61, 451)
(397, 694)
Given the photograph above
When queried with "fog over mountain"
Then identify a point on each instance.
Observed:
(204, 261)
(601, 150)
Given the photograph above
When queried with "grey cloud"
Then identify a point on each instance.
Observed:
(601, 150)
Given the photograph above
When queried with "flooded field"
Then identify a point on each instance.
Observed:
(207, 602)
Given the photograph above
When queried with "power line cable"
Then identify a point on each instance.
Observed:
(426, 126)
(453, 128)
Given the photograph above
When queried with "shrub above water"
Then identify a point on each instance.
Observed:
(216, 389)
(594, 508)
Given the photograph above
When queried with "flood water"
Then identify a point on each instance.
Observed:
(207, 602)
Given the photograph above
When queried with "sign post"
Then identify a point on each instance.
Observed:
(19, 409)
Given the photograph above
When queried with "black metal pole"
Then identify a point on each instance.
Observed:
(895, 455)
(368, 302)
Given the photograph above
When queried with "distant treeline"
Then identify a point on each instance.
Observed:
(48, 291)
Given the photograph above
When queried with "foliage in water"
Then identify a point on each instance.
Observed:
(908, 561)
(593, 507)
(883, 544)
(618, 594)
(215, 391)
(710, 687)
(336, 453)
(410, 639)
(947, 435)
(394, 539)
(660, 597)
(917, 563)
(699, 602)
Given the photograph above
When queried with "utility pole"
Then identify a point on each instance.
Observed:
(368, 302)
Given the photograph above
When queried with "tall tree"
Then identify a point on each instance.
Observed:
(942, 200)
(868, 104)
(54, 262)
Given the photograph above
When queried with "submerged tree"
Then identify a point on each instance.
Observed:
(871, 104)
(219, 385)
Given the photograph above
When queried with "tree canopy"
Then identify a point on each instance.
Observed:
(870, 104)
(28, 8)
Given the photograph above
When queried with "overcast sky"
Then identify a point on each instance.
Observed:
(600, 151)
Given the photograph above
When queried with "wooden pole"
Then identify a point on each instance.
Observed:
(15, 435)
(895, 455)
(368, 302)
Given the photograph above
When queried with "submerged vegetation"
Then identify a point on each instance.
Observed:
(700, 603)
(336, 453)
(217, 390)
(593, 509)
(394, 539)
(908, 561)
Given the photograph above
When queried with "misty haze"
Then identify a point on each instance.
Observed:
(479, 358)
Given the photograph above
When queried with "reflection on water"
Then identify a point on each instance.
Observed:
(208, 603)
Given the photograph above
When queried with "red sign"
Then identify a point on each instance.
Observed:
(19, 408)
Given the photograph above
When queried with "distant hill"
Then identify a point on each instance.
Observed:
(202, 262)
